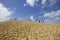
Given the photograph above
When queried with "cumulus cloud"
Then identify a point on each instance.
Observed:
(53, 16)
(44, 3)
(30, 2)
(5, 14)
(32, 18)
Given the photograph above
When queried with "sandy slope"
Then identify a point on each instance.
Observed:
(22, 30)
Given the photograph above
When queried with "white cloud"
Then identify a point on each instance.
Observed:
(44, 3)
(25, 5)
(5, 14)
(31, 2)
(52, 2)
(53, 17)
(48, 3)
(52, 14)
(32, 18)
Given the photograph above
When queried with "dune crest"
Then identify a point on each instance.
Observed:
(22, 30)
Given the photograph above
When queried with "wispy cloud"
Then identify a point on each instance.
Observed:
(44, 3)
(48, 3)
(53, 16)
(25, 5)
(5, 14)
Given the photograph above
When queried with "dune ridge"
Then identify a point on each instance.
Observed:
(23, 30)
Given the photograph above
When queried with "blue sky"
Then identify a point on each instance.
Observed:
(47, 10)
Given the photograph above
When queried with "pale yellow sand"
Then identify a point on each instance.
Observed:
(22, 30)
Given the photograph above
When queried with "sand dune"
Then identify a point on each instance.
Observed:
(22, 30)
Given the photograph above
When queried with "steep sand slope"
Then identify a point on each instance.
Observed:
(22, 30)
